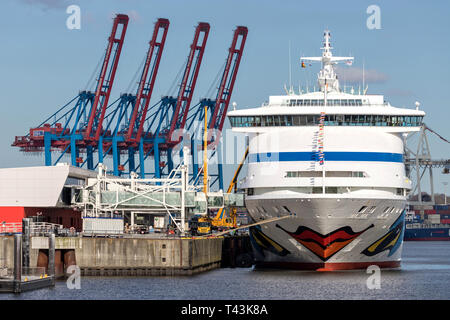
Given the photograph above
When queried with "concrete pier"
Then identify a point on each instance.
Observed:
(127, 256)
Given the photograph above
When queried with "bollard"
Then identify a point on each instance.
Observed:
(51, 257)
(17, 262)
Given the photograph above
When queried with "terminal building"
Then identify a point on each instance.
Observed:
(45, 192)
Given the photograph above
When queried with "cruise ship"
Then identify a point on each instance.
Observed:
(329, 164)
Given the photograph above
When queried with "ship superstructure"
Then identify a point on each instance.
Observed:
(333, 161)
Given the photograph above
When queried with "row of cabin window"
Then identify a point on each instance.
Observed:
(330, 174)
(321, 102)
(330, 120)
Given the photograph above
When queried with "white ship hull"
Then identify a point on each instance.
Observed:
(327, 234)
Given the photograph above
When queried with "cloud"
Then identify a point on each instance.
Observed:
(47, 4)
(134, 16)
(354, 75)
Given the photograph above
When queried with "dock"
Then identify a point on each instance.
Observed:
(133, 256)
(15, 274)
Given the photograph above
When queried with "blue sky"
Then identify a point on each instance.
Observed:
(44, 64)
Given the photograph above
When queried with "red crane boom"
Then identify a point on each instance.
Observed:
(189, 80)
(106, 79)
(145, 88)
(228, 79)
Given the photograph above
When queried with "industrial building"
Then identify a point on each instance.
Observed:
(44, 192)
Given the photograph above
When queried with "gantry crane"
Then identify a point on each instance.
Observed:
(89, 124)
(169, 117)
(218, 107)
(130, 114)
(83, 121)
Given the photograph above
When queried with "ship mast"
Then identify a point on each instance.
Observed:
(327, 77)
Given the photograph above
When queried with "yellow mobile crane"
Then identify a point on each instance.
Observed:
(222, 220)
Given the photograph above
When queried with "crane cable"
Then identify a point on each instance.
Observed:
(441, 137)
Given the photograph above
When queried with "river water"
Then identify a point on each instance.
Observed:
(425, 274)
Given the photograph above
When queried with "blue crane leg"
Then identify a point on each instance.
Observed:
(100, 149)
(90, 157)
(73, 151)
(156, 157)
(131, 163)
(141, 159)
(169, 160)
(194, 158)
(47, 148)
(116, 159)
(219, 167)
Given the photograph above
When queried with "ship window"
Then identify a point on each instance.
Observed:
(288, 120)
(330, 120)
(303, 120)
(317, 190)
(363, 208)
(386, 210)
(331, 190)
(306, 102)
(372, 209)
(358, 174)
(275, 120)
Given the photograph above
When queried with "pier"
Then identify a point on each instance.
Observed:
(16, 275)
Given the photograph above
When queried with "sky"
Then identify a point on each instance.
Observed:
(44, 64)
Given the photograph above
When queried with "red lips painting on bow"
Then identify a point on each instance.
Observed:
(324, 246)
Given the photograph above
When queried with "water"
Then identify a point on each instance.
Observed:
(425, 274)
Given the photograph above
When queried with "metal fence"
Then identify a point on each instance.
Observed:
(34, 272)
(8, 228)
(43, 229)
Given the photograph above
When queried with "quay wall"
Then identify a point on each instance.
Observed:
(128, 256)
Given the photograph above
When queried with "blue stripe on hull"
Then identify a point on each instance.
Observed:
(329, 156)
